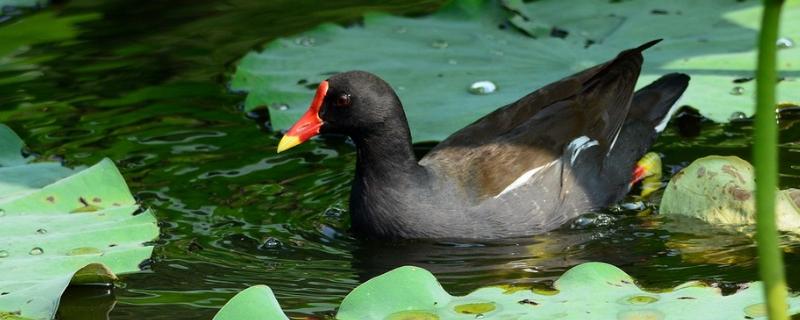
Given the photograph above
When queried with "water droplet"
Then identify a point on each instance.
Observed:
(452, 61)
(3, 253)
(738, 115)
(41, 231)
(482, 87)
(271, 243)
(637, 205)
(305, 41)
(281, 106)
(333, 212)
(36, 251)
(737, 91)
(784, 43)
(401, 88)
(440, 44)
(2, 212)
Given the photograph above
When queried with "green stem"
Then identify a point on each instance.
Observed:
(766, 165)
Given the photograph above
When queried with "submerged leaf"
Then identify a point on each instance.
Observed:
(45, 246)
(721, 191)
(433, 62)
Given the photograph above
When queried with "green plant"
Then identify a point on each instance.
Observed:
(765, 156)
(590, 290)
(61, 226)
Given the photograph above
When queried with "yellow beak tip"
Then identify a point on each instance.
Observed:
(288, 142)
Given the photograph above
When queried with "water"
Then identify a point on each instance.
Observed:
(152, 97)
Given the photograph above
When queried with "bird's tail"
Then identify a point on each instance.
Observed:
(648, 114)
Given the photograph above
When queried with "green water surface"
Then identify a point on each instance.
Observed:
(144, 83)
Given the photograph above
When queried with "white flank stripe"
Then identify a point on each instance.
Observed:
(579, 144)
(613, 142)
(525, 177)
(663, 124)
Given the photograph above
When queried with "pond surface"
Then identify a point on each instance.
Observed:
(144, 83)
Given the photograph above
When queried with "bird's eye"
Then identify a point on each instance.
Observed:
(343, 100)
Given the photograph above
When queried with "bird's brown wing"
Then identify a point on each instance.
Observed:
(491, 153)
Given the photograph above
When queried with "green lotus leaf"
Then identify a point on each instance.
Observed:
(432, 61)
(721, 191)
(22, 3)
(256, 303)
(63, 226)
(590, 290)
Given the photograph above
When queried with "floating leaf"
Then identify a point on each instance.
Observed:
(721, 191)
(22, 3)
(49, 241)
(588, 291)
(256, 303)
(434, 61)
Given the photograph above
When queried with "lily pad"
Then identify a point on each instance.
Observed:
(721, 191)
(588, 291)
(63, 226)
(256, 303)
(432, 61)
(22, 3)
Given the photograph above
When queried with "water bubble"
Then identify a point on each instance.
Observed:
(452, 61)
(738, 115)
(400, 30)
(531, 269)
(36, 251)
(3, 253)
(784, 43)
(592, 220)
(41, 231)
(281, 106)
(333, 212)
(271, 243)
(305, 41)
(2, 212)
(637, 205)
(440, 44)
(482, 87)
(737, 91)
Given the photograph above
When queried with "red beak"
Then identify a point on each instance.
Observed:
(308, 125)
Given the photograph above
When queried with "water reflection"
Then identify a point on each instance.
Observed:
(235, 214)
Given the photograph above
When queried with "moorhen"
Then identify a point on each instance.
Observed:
(526, 168)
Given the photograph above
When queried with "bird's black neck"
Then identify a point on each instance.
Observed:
(385, 154)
